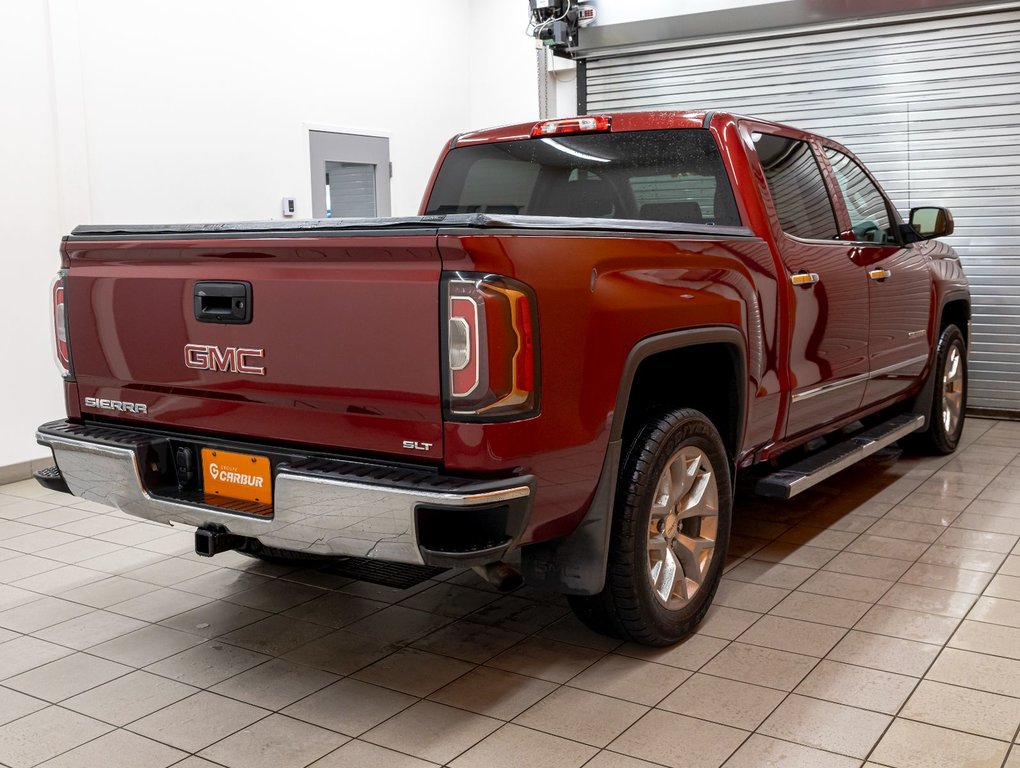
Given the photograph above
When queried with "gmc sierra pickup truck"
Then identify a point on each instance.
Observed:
(558, 366)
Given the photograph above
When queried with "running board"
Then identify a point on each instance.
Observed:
(787, 483)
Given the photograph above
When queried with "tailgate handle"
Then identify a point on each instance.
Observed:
(217, 302)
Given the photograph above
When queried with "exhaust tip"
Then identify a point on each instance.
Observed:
(502, 576)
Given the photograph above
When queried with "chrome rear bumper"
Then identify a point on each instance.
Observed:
(315, 512)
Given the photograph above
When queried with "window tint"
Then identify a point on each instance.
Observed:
(674, 175)
(797, 187)
(869, 215)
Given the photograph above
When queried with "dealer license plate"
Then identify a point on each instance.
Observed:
(237, 476)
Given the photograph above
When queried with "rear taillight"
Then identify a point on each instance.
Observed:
(491, 348)
(60, 337)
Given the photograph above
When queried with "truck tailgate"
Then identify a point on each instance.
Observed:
(342, 348)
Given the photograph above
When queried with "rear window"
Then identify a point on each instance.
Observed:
(675, 175)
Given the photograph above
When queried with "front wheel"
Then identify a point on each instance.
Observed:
(670, 531)
(949, 403)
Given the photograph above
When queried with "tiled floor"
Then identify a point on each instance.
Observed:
(872, 621)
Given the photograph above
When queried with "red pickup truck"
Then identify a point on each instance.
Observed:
(557, 367)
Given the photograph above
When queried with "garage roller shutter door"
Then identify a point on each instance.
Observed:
(931, 105)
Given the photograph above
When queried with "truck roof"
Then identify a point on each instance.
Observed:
(621, 121)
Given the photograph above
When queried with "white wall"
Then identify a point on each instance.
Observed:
(118, 111)
(30, 389)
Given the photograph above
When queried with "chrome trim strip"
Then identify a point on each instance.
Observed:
(832, 386)
(311, 514)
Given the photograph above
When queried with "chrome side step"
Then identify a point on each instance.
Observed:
(787, 483)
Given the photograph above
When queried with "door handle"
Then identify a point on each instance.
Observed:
(804, 278)
(879, 274)
(221, 302)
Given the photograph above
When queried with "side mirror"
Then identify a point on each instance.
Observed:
(931, 222)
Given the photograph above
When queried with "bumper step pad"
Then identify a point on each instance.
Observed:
(396, 575)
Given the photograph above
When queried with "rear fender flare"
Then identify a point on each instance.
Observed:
(576, 565)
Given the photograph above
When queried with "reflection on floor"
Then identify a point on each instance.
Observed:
(872, 621)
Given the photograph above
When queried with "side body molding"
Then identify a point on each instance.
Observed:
(576, 565)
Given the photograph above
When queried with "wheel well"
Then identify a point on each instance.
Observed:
(957, 313)
(706, 377)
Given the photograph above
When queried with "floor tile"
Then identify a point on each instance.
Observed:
(145, 646)
(275, 596)
(691, 653)
(432, 731)
(350, 707)
(872, 566)
(825, 725)
(276, 742)
(66, 677)
(704, 744)
(719, 700)
(994, 674)
(450, 600)
(207, 664)
(928, 600)
(41, 613)
(642, 682)
(14, 705)
(987, 638)
(726, 623)
(546, 659)
(118, 749)
(760, 666)
(128, 698)
(571, 630)
(857, 686)
(398, 625)
(748, 597)
(908, 624)
(515, 747)
(890, 654)
(159, 605)
(109, 591)
(947, 577)
(197, 721)
(89, 629)
(409, 670)
(581, 715)
(494, 693)
(24, 653)
(340, 652)
(990, 542)
(44, 734)
(360, 754)
(883, 546)
(916, 745)
(794, 554)
(1000, 586)
(276, 635)
(609, 759)
(964, 709)
(803, 637)
(823, 609)
(770, 574)
(846, 585)
(518, 614)
(275, 684)
(996, 610)
(960, 557)
(335, 609)
(765, 752)
(468, 641)
(214, 619)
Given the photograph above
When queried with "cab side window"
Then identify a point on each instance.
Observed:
(797, 187)
(869, 213)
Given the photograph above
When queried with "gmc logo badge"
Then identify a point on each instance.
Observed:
(205, 357)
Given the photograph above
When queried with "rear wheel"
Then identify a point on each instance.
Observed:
(949, 403)
(670, 531)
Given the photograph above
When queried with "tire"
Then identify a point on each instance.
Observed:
(664, 569)
(948, 410)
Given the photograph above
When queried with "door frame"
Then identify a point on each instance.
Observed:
(347, 145)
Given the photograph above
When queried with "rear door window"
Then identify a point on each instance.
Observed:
(797, 187)
(671, 175)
